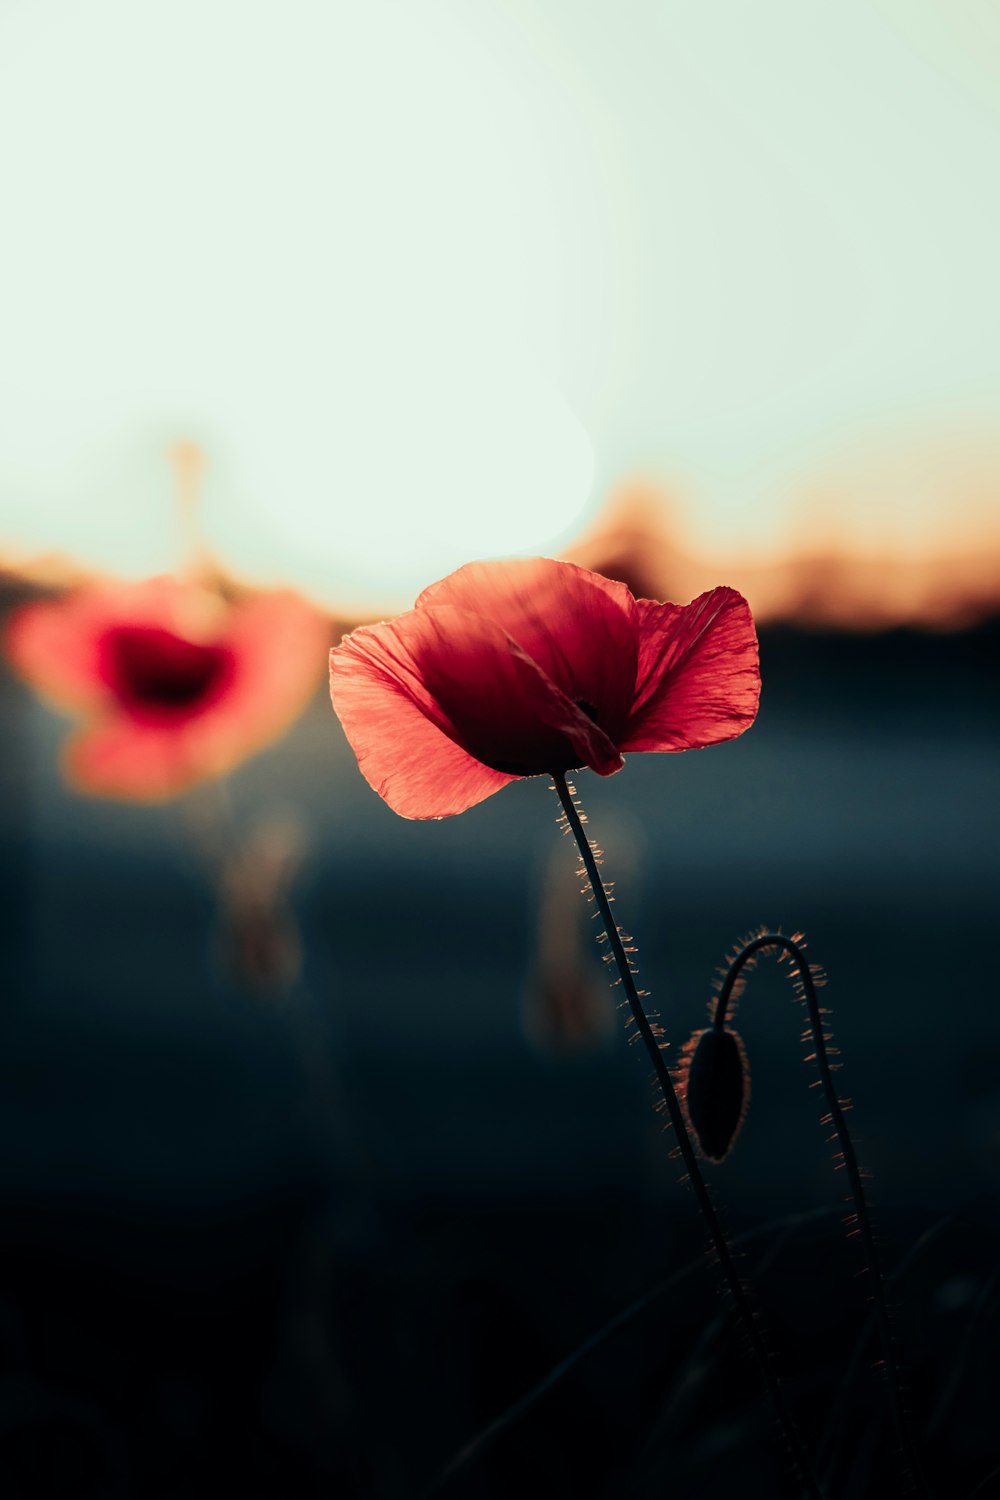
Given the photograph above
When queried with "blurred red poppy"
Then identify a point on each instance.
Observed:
(175, 683)
(530, 667)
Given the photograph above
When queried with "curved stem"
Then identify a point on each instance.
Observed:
(836, 1118)
(719, 1242)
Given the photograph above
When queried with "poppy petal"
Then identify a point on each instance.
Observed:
(402, 753)
(698, 680)
(501, 705)
(412, 692)
(54, 645)
(581, 628)
(119, 758)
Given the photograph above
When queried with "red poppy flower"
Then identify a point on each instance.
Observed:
(175, 684)
(530, 667)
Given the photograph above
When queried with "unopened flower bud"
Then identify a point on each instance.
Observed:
(715, 1088)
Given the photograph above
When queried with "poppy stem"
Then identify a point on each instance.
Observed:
(188, 462)
(720, 1244)
(806, 985)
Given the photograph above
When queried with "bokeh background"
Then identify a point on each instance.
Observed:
(691, 294)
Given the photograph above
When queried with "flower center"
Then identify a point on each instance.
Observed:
(158, 674)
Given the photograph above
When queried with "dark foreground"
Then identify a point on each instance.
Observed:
(312, 1247)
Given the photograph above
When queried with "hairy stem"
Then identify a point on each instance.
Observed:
(836, 1118)
(720, 1244)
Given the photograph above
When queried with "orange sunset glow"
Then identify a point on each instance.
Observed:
(826, 583)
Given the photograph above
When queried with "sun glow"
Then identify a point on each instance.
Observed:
(428, 282)
(311, 238)
(454, 461)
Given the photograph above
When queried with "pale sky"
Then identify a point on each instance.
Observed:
(427, 280)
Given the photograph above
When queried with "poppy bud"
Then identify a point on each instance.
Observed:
(715, 1088)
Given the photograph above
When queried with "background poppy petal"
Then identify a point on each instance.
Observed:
(699, 677)
(54, 645)
(118, 758)
(275, 642)
(280, 644)
(581, 628)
